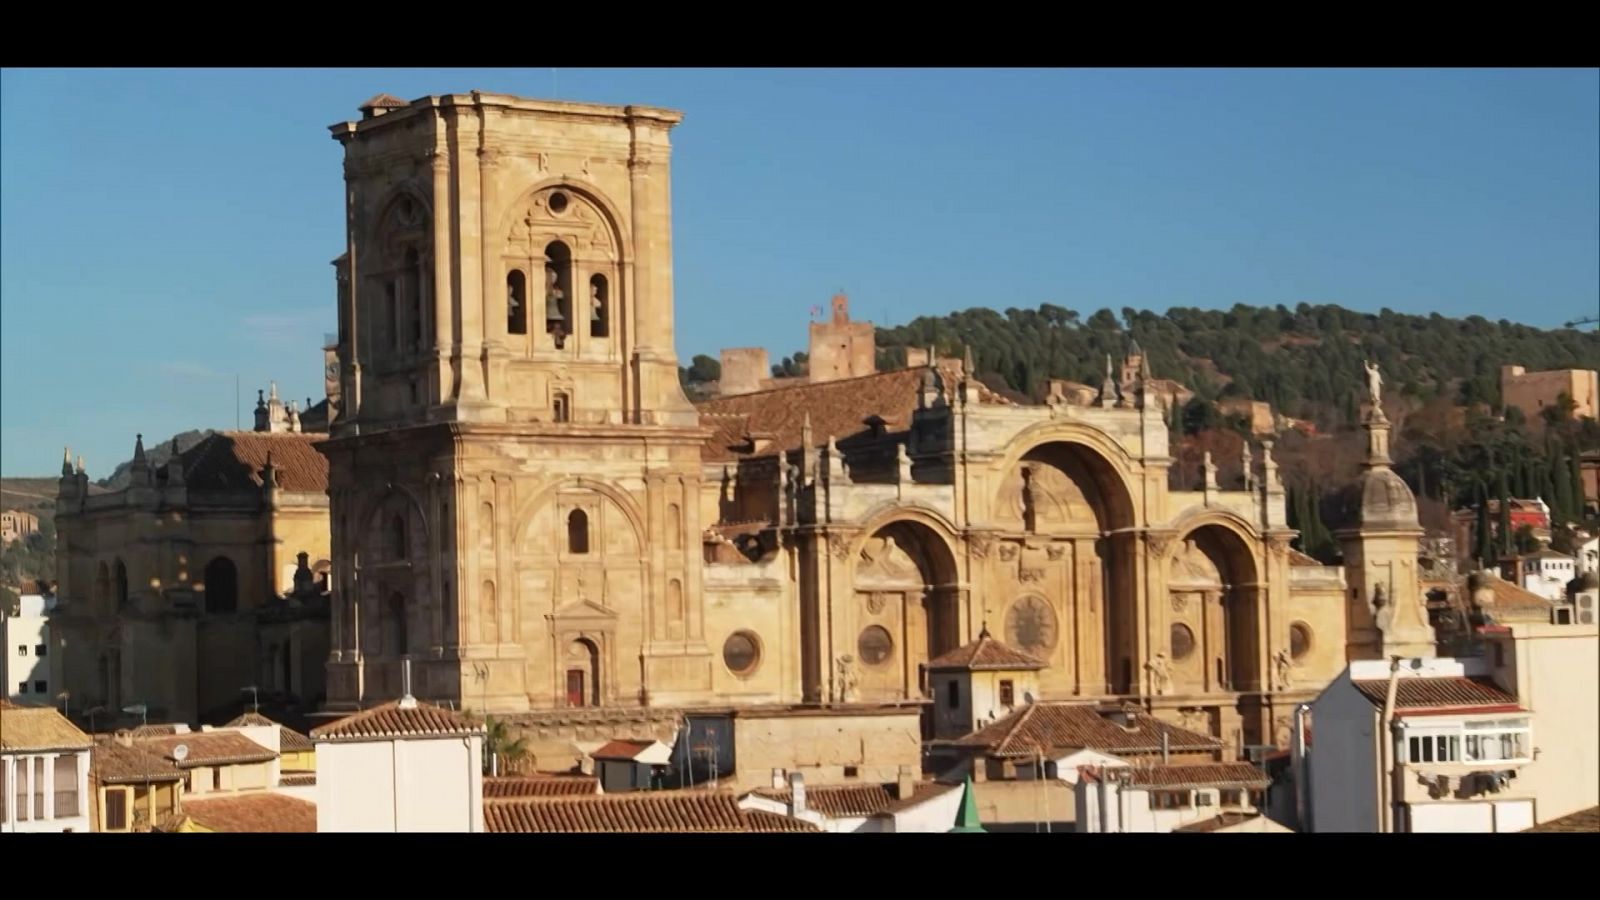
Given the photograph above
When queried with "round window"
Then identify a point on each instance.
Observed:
(875, 645)
(1299, 639)
(558, 202)
(741, 652)
(1182, 641)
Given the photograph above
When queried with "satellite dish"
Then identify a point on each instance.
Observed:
(180, 752)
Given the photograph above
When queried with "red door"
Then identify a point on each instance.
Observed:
(575, 681)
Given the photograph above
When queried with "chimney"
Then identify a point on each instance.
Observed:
(124, 737)
(406, 700)
(778, 779)
(797, 794)
(906, 784)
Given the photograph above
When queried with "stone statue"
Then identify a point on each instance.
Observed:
(1285, 666)
(596, 305)
(305, 583)
(847, 679)
(1374, 383)
(1160, 673)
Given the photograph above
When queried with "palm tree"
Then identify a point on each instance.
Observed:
(498, 744)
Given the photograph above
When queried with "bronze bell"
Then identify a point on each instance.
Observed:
(552, 298)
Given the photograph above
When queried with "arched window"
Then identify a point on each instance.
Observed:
(397, 538)
(222, 586)
(102, 590)
(413, 288)
(122, 585)
(599, 307)
(577, 531)
(558, 291)
(392, 315)
(516, 303)
(395, 640)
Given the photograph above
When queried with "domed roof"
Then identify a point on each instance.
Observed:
(1380, 499)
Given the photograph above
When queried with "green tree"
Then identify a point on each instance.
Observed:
(499, 742)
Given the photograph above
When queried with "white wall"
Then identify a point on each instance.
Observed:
(1555, 677)
(936, 815)
(427, 785)
(28, 630)
(1344, 757)
(1128, 811)
(22, 767)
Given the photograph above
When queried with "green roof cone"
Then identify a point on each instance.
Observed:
(967, 820)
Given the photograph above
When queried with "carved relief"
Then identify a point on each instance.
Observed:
(1180, 601)
(982, 545)
(883, 559)
(1279, 545)
(1030, 575)
(1055, 552)
(1159, 543)
(1282, 732)
(1008, 551)
(1195, 719)
(840, 545)
(877, 601)
(1160, 670)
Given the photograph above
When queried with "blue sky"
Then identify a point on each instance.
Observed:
(162, 231)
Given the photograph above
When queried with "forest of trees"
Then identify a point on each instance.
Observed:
(1452, 441)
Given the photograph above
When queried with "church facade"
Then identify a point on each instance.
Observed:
(525, 505)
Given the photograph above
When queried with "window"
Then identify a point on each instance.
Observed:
(953, 693)
(741, 652)
(1008, 693)
(116, 809)
(1170, 800)
(22, 649)
(598, 303)
(561, 407)
(1504, 739)
(577, 531)
(1232, 798)
(516, 303)
(1204, 798)
(1430, 748)
(22, 687)
(852, 772)
(66, 786)
(40, 687)
(558, 292)
(222, 586)
(40, 649)
(397, 538)
(216, 778)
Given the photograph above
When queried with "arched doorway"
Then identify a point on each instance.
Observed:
(906, 612)
(582, 673)
(1068, 519)
(1214, 595)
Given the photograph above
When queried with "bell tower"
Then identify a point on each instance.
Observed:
(515, 467)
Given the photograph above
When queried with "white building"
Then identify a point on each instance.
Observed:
(1495, 743)
(1157, 799)
(403, 766)
(44, 771)
(26, 660)
(1546, 573)
(908, 806)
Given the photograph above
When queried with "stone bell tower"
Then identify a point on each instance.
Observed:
(1385, 613)
(515, 467)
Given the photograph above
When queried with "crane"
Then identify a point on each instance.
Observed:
(1588, 320)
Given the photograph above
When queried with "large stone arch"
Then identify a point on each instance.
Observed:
(1113, 469)
(393, 224)
(625, 503)
(904, 607)
(1216, 599)
(611, 216)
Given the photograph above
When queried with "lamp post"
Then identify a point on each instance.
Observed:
(93, 711)
(66, 704)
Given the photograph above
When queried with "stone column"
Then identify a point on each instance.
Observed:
(446, 344)
(492, 292)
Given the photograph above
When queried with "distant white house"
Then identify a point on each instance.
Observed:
(1156, 799)
(403, 766)
(26, 660)
(907, 806)
(1546, 573)
(44, 771)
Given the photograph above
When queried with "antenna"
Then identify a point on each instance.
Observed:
(180, 752)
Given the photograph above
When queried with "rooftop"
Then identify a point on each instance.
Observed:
(289, 740)
(985, 653)
(390, 720)
(837, 801)
(1587, 820)
(1209, 775)
(645, 812)
(207, 748)
(255, 813)
(1217, 822)
(114, 763)
(233, 460)
(1052, 727)
(1431, 695)
(26, 729)
(495, 788)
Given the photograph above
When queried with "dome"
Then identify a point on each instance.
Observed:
(1380, 500)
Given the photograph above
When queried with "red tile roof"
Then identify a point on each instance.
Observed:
(837, 801)
(1067, 726)
(256, 813)
(1587, 820)
(289, 740)
(39, 728)
(1438, 694)
(922, 793)
(1217, 822)
(298, 779)
(390, 721)
(1218, 775)
(759, 820)
(622, 749)
(207, 748)
(232, 461)
(985, 653)
(838, 409)
(537, 786)
(645, 812)
(112, 763)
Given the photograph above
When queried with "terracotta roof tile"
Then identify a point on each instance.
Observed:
(1217, 822)
(1587, 820)
(1221, 775)
(298, 779)
(985, 653)
(160, 729)
(256, 813)
(922, 793)
(759, 820)
(207, 748)
(646, 812)
(1439, 694)
(112, 763)
(536, 786)
(1065, 726)
(289, 740)
(390, 721)
(232, 460)
(31, 728)
(383, 101)
(837, 801)
(838, 409)
(622, 749)
(1510, 596)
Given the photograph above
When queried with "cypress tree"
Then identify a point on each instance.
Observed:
(1485, 547)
